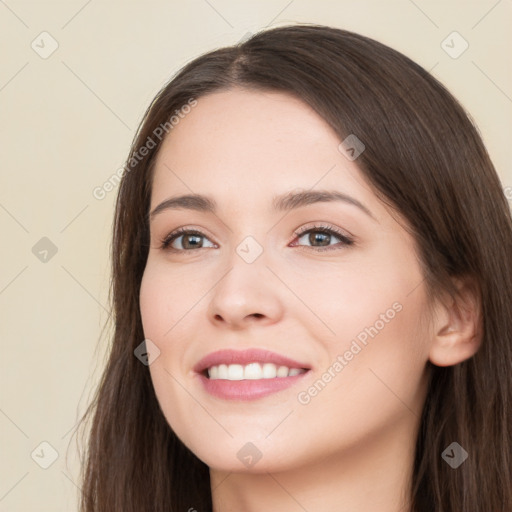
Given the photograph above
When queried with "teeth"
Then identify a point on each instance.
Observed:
(269, 371)
(235, 372)
(251, 371)
(282, 371)
(214, 372)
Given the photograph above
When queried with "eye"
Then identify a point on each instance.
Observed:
(191, 239)
(318, 236)
(321, 236)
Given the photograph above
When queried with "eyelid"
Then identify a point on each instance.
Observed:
(324, 226)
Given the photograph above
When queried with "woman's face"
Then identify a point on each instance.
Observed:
(262, 271)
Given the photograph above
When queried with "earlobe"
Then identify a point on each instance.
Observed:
(457, 334)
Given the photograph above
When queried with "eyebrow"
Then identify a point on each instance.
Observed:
(285, 202)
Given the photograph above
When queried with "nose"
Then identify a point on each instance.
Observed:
(248, 293)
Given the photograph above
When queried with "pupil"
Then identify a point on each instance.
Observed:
(318, 238)
(194, 244)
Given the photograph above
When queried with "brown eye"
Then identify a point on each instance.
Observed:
(320, 236)
(186, 240)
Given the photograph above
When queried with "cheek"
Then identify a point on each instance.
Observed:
(377, 348)
(348, 297)
(164, 302)
(155, 298)
(367, 388)
(377, 367)
(166, 296)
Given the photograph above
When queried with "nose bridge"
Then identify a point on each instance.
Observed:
(250, 237)
(247, 288)
(250, 249)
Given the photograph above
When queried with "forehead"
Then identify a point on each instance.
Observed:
(251, 144)
(248, 121)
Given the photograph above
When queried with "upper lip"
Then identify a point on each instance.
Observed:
(243, 357)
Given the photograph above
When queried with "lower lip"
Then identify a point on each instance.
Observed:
(244, 390)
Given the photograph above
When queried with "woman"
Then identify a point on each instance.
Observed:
(312, 292)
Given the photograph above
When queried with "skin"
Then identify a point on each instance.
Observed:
(351, 447)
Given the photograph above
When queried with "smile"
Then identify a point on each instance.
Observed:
(242, 375)
(252, 371)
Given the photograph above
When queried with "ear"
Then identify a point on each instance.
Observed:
(458, 326)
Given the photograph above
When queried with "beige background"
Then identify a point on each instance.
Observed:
(67, 121)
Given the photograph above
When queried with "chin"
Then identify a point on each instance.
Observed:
(240, 455)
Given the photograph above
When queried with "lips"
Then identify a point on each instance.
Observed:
(258, 384)
(246, 357)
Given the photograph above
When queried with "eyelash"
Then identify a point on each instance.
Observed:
(321, 228)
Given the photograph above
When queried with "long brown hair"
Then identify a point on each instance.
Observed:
(425, 159)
